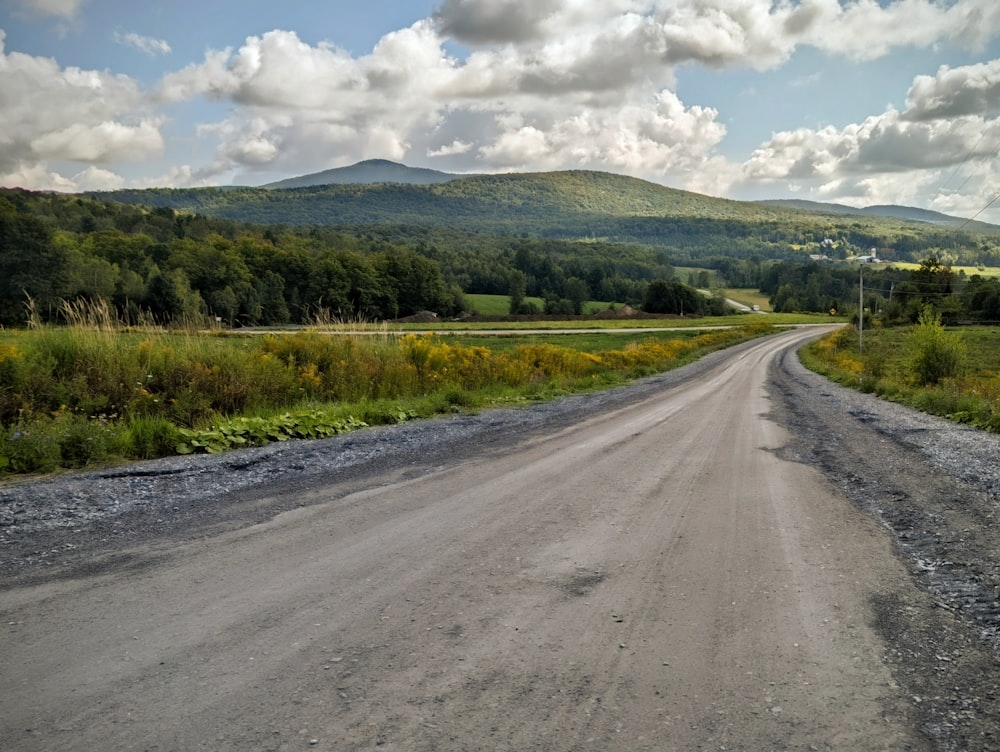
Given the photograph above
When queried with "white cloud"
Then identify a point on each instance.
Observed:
(449, 150)
(865, 29)
(52, 113)
(104, 142)
(950, 118)
(302, 105)
(36, 177)
(887, 159)
(97, 179)
(667, 138)
(885, 143)
(956, 92)
(66, 10)
(500, 21)
(148, 45)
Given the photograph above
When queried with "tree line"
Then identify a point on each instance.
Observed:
(900, 296)
(175, 265)
(174, 268)
(178, 265)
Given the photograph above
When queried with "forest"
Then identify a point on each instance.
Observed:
(175, 266)
(567, 238)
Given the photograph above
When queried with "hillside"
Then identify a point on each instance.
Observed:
(573, 204)
(908, 213)
(570, 205)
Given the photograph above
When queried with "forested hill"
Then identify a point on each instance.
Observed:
(574, 205)
(552, 202)
(887, 210)
(183, 265)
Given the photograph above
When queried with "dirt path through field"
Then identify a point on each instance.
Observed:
(656, 578)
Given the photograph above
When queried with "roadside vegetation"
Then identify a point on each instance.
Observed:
(953, 372)
(97, 392)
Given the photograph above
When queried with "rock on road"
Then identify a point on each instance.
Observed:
(657, 577)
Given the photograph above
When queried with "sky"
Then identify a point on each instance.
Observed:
(859, 102)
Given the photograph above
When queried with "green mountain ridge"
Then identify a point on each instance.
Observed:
(376, 171)
(576, 205)
(509, 202)
(895, 211)
(380, 191)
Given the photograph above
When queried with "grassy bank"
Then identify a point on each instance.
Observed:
(954, 372)
(92, 394)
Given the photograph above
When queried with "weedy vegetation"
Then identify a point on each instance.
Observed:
(953, 372)
(97, 392)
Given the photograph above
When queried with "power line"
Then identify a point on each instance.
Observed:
(972, 174)
(973, 217)
(962, 162)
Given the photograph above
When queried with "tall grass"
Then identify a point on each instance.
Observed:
(95, 391)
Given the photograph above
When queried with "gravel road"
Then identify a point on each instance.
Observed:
(733, 555)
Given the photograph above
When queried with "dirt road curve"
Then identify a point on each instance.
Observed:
(656, 578)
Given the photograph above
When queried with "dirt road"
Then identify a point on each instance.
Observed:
(656, 578)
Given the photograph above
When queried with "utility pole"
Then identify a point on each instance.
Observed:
(861, 307)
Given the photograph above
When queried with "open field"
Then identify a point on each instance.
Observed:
(495, 305)
(983, 271)
(589, 322)
(499, 305)
(748, 297)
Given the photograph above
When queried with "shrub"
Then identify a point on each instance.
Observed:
(147, 437)
(29, 448)
(934, 353)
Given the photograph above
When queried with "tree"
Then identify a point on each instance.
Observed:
(415, 283)
(271, 293)
(516, 291)
(671, 297)
(224, 304)
(577, 293)
(169, 296)
(30, 265)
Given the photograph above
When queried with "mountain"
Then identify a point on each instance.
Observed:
(369, 172)
(907, 213)
(383, 171)
(574, 202)
(573, 205)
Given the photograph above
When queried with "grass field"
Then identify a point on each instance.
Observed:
(748, 297)
(585, 322)
(499, 305)
(983, 271)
